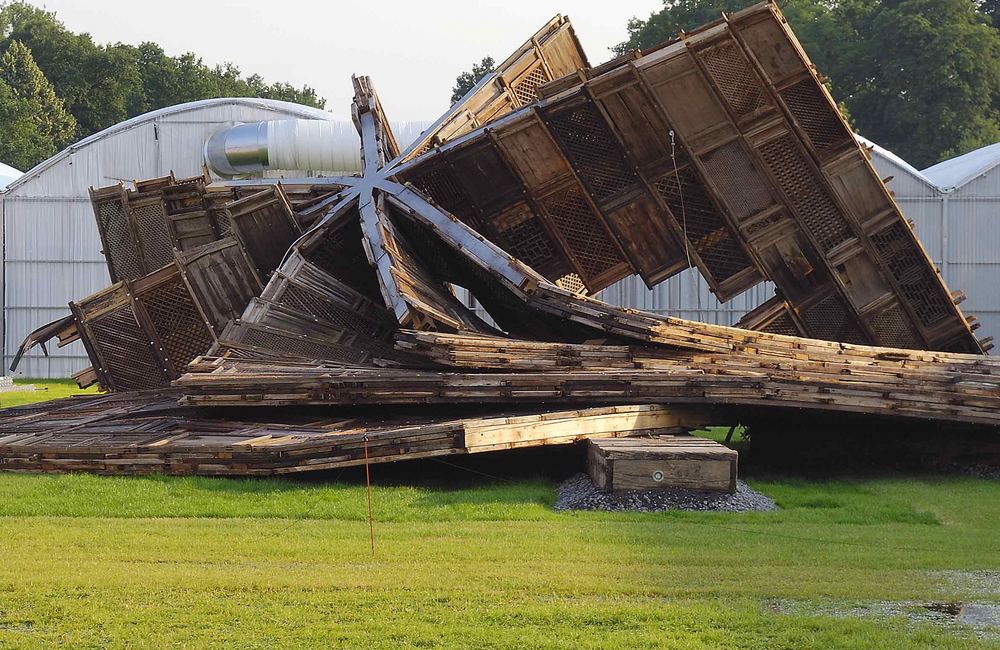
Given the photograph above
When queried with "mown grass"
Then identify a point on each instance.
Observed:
(141, 561)
(148, 562)
(47, 389)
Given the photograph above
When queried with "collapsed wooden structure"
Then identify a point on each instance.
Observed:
(251, 323)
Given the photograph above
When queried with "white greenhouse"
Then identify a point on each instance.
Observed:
(51, 248)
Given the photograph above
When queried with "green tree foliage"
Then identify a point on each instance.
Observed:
(921, 77)
(105, 84)
(467, 80)
(33, 120)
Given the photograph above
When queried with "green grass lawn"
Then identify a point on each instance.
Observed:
(111, 562)
(47, 389)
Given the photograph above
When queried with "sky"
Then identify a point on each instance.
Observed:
(412, 50)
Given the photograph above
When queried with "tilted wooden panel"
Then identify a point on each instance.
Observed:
(265, 226)
(180, 327)
(147, 211)
(115, 228)
(121, 348)
(220, 279)
(762, 178)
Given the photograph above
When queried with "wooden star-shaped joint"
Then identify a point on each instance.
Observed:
(393, 216)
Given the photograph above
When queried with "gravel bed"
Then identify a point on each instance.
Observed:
(579, 493)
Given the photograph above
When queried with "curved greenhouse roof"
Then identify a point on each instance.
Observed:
(961, 170)
(8, 175)
(289, 108)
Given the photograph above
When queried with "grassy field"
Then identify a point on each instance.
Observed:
(113, 562)
(47, 389)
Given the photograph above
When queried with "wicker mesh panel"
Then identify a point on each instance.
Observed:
(734, 77)
(439, 184)
(828, 320)
(127, 355)
(571, 282)
(528, 242)
(337, 315)
(782, 325)
(223, 223)
(525, 88)
(893, 328)
(156, 243)
(306, 348)
(583, 233)
(182, 332)
(900, 254)
(593, 150)
(812, 110)
(740, 182)
(704, 227)
(122, 252)
(814, 206)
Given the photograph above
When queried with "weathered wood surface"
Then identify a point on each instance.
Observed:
(722, 150)
(146, 432)
(750, 369)
(141, 334)
(643, 463)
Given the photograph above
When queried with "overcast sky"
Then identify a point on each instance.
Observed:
(412, 50)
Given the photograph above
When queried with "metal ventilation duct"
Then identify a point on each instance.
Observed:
(308, 145)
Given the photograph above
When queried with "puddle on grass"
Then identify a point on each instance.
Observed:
(980, 618)
(971, 603)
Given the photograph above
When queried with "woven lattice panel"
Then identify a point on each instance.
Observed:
(222, 222)
(157, 246)
(738, 180)
(125, 351)
(829, 320)
(440, 185)
(704, 227)
(734, 77)
(177, 322)
(302, 347)
(592, 148)
(528, 242)
(525, 88)
(800, 183)
(121, 253)
(583, 233)
(812, 110)
(782, 325)
(900, 254)
(893, 327)
(338, 315)
(571, 282)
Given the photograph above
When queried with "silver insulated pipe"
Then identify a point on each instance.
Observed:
(301, 145)
(330, 146)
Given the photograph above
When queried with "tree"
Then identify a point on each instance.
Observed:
(467, 80)
(33, 120)
(921, 77)
(23, 143)
(106, 84)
